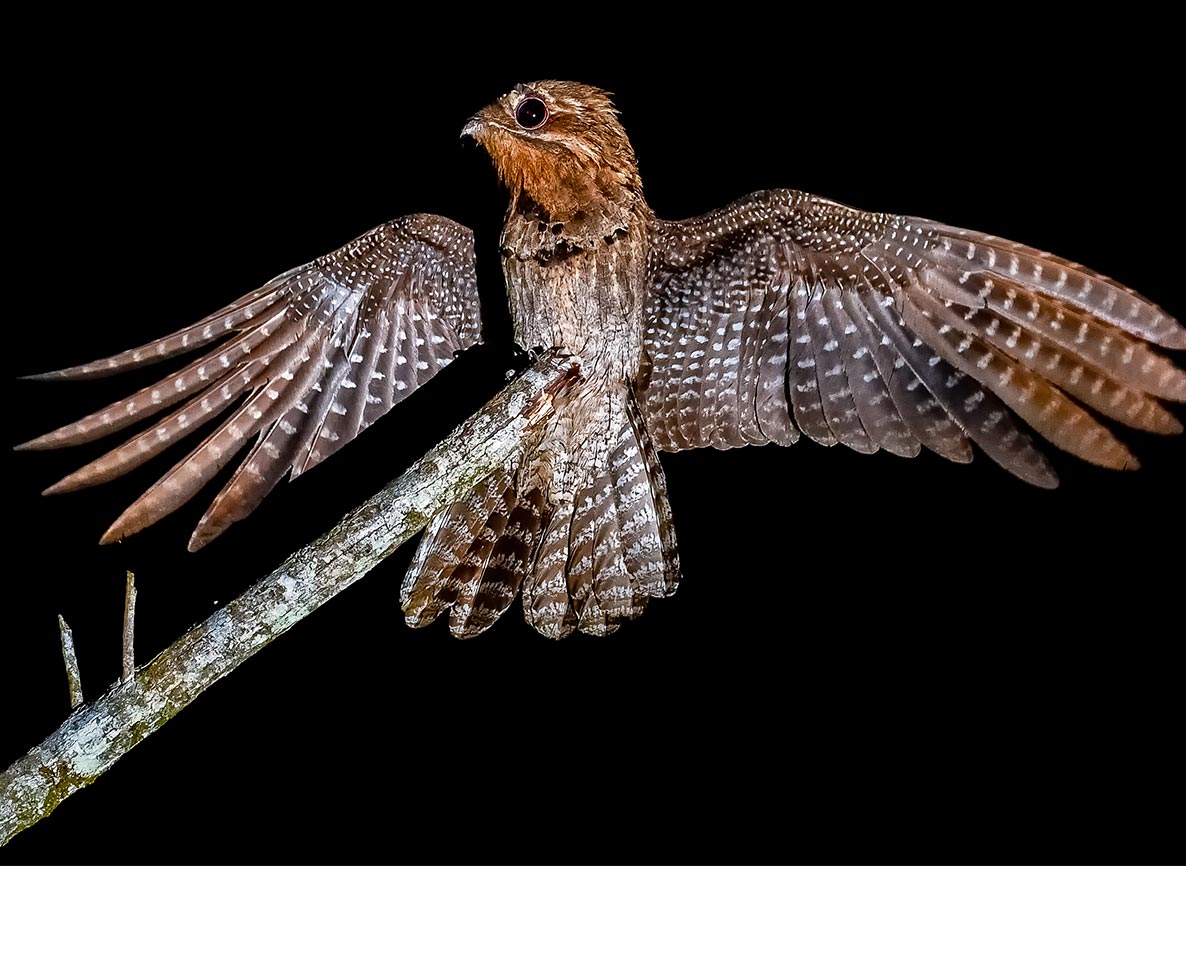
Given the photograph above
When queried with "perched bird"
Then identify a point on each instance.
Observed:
(783, 314)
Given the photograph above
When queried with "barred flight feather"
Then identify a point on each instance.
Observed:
(306, 355)
(903, 333)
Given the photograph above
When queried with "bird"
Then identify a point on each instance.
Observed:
(781, 316)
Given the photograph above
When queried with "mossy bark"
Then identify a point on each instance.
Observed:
(96, 735)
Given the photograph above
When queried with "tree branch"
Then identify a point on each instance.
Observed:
(96, 735)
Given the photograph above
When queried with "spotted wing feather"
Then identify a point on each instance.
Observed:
(785, 312)
(307, 362)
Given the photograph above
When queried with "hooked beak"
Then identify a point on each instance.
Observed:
(480, 125)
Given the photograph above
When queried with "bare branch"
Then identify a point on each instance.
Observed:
(73, 680)
(128, 667)
(96, 735)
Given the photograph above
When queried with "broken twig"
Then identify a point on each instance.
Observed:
(128, 667)
(73, 680)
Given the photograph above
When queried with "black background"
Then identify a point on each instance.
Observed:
(861, 647)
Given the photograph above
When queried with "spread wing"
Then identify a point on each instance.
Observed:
(785, 314)
(302, 365)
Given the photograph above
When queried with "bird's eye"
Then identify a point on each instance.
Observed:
(531, 113)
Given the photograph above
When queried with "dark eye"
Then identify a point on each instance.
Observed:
(531, 113)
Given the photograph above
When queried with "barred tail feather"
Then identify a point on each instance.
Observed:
(426, 592)
(582, 563)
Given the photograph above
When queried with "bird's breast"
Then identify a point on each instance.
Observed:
(587, 302)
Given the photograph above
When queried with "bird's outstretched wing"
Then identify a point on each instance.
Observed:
(786, 313)
(302, 364)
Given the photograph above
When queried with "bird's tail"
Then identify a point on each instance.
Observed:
(579, 525)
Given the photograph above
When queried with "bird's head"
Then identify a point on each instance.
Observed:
(561, 144)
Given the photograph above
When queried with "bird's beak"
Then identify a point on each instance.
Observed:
(473, 127)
